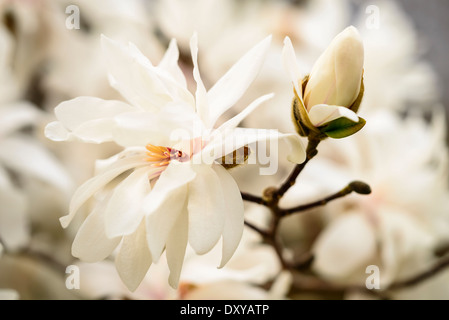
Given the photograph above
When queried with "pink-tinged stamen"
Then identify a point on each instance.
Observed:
(161, 156)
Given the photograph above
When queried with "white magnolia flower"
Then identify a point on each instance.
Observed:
(334, 83)
(176, 193)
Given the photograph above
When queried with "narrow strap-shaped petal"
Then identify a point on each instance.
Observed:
(321, 114)
(91, 243)
(176, 248)
(133, 259)
(124, 212)
(86, 190)
(291, 65)
(235, 121)
(231, 87)
(132, 74)
(170, 64)
(234, 221)
(160, 223)
(206, 209)
(200, 94)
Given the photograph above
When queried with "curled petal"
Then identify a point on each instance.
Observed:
(321, 114)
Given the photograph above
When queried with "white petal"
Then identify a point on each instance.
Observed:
(134, 259)
(124, 210)
(200, 94)
(91, 243)
(14, 228)
(228, 291)
(163, 128)
(57, 132)
(321, 114)
(132, 74)
(176, 175)
(160, 223)
(171, 76)
(234, 220)
(75, 112)
(9, 294)
(176, 248)
(26, 156)
(94, 131)
(347, 244)
(231, 87)
(235, 121)
(85, 118)
(291, 65)
(16, 116)
(206, 209)
(86, 190)
(170, 63)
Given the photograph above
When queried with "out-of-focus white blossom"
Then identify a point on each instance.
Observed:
(242, 278)
(397, 77)
(8, 294)
(399, 225)
(23, 159)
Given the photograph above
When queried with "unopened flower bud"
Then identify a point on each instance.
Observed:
(337, 75)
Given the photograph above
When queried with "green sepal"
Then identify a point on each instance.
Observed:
(342, 128)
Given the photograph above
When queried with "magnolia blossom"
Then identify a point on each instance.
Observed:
(334, 83)
(398, 226)
(177, 193)
(396, 74)
(22, 157)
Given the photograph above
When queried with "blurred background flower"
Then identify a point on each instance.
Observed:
(402, 152)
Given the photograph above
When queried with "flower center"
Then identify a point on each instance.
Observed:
(161, 156)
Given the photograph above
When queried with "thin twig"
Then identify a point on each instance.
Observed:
(355, 186)
(252, 198)
(342, 193)
(437, 268)
(311, 152)
(46, 259)
(263, 233)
